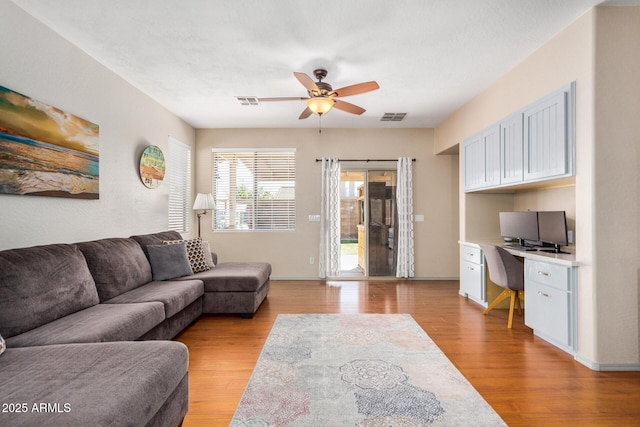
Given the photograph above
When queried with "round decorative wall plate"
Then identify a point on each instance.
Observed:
(152, 166)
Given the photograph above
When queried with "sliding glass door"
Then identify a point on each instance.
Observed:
(368, 223)
(381, 225)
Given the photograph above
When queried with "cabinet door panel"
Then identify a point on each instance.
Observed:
(511, 153)
(474, 163)
(472, 283)
(545, 138)
(492, 156)
(547, 312)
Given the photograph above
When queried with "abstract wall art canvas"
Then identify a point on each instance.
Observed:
(45, 151)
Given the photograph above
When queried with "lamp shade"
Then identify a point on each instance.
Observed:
(320, 105)
(204, 201)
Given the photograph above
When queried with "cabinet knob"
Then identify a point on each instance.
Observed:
(471, 268)
(543, 294)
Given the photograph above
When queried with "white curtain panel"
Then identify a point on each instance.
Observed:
(329, 262)
(404, 200)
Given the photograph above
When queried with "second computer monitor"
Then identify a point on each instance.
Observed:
(553, 227)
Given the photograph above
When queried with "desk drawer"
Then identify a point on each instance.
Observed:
(548, 274)
(471, 254)
(472, 281)
(547, 312)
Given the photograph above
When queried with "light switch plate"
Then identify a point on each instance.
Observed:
(418, 218)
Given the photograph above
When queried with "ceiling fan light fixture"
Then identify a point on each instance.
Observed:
(320, 105)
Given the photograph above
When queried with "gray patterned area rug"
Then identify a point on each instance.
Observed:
(369, 370)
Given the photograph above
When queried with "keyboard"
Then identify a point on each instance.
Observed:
(520, 247)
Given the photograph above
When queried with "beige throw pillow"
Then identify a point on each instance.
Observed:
(207, 253)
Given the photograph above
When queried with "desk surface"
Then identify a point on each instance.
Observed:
(568, 260)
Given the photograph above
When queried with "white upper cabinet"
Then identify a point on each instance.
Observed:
(534, 144)
(546, 138)
(482, 159)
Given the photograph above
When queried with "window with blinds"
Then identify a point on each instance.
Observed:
(254, 189)
(179, 172)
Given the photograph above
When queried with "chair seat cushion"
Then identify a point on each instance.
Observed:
(174, 296)
(100, 323)
(234, 277)
(113, 384)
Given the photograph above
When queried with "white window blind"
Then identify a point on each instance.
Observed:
(254, 189)
(179, 171)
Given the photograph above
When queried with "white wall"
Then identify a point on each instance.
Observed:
(40, 64)
(435, 194)
(617, 184)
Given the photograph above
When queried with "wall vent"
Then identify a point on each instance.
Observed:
(393, 117)
(247, 100)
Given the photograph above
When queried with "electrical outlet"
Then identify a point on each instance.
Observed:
(312, 260)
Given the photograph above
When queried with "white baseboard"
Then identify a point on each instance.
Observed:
(595, 366)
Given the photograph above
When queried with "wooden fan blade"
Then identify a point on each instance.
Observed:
(349, 108)
(306, 113)
(306, 81)
(283, 98)
(356, 89)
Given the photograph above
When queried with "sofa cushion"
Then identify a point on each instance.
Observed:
(114, 384)
(175, 296)
(100, 323)
(196, 255)
(234, 277)
(117, 265)
(41, 284)
(145, 240)
(169, 261)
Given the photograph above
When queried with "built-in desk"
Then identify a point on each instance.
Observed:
(550, 290)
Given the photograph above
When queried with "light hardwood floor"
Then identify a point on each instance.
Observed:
(526, 380)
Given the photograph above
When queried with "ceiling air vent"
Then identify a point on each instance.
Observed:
(393, 117)
(247, 100)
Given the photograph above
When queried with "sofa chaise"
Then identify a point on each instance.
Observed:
(86, 326)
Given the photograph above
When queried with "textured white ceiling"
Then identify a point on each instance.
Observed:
(193, 56)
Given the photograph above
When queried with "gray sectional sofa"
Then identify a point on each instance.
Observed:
(84, 326)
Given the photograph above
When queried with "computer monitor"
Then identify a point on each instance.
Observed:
(552, 226)
(519, 225)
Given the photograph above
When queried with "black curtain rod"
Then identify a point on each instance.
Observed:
(366, 160)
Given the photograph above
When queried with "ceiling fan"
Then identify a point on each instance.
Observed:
(322, 97)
